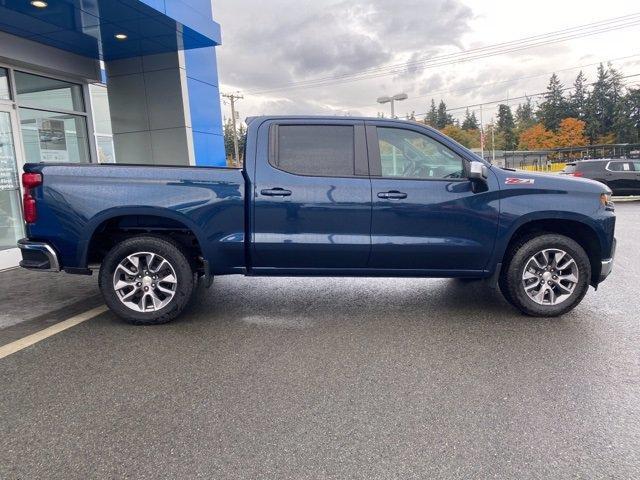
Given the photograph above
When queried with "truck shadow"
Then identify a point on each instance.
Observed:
(305, 302)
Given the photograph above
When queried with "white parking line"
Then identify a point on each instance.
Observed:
(29, 340)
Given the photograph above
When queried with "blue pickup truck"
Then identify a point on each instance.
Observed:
(320, 196)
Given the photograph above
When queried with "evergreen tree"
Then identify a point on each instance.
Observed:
(443, 118)
(470, 121)
(578, 99)
(506, 127)
(524, 116)
(633, 104)
(601, 106)
(432, 117)
(228, 139)
(554, 107)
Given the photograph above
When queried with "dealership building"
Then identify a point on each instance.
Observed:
(103, 81)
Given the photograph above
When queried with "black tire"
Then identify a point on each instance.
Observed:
(511, 284)
(170, 251)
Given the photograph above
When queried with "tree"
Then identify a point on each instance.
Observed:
(228, 140)
(603, 104)
(554, 107)
(536, 138)
(571, 133)
(467, 138)
(432, 117)
(470, 121)
(578, 99)
(633, 105)
(524, 116)
(443, 118)
(506, 127)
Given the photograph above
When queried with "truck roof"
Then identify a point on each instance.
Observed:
(323, 117)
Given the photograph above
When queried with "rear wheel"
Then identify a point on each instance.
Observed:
(546, 276)
(146, 280)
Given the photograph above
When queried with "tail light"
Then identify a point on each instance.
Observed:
(578, 174)
(29, 182)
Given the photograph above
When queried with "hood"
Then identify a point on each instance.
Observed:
(520, 178)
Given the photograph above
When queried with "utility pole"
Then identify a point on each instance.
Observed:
(493, 141)
(232, 99)
(481, 134)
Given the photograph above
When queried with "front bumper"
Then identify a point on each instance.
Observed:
(607, 265)
(38, 256)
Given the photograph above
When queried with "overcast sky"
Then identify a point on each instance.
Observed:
(267, 45)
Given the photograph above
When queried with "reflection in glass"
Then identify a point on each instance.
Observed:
(106, 151)
(4, 84)
(48, 93)
(11, 228)
(54, 137)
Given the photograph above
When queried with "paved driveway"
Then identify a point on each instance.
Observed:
(336, 378)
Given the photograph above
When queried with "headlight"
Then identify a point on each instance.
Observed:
(605, 200)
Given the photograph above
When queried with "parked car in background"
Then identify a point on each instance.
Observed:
(622, 176)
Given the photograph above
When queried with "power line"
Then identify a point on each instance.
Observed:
(510, 80)
(493, 102)
(468, 55)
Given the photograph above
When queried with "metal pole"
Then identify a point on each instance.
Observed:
(481, 134)
(393, 110)
(232, 98)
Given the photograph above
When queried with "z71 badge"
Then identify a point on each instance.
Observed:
(519, 181)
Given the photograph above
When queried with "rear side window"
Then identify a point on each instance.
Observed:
(620, 167)
(318, 150)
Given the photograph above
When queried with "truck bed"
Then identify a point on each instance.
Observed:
(81, 200)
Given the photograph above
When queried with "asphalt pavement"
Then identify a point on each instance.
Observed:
(287, 378)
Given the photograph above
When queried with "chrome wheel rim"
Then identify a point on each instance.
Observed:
(145, 282)
(550, 277)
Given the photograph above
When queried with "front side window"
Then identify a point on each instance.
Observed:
(318, 150)
(409, 154)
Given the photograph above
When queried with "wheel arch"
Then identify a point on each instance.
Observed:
(132, 221)
(576, 227)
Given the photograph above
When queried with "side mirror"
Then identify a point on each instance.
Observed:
(477, 171)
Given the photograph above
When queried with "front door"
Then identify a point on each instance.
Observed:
(312, 196)
(426, 215)
(11, 225)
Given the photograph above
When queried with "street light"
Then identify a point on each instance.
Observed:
(396, 98)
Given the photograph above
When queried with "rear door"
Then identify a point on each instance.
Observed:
(312, 196)
(426, 215)
(621, 177)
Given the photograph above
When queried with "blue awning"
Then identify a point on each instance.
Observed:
(90, 27)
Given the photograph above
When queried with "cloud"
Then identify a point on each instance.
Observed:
(268, 44)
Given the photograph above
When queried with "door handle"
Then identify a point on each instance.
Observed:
(275, 192)
(392, 195)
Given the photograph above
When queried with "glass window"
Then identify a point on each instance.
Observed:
(620, 166)
(409, 154)
(322, 150)
(106, 151)
(54, 137)
(5, 93)
(101, 111)
(48, 93)
(636, 166)
(11, 228)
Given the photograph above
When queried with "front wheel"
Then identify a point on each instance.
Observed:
(546, 276)
(146, 280)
